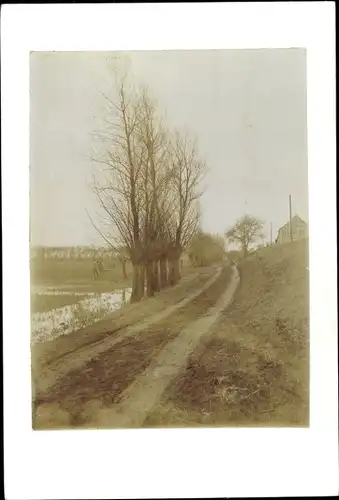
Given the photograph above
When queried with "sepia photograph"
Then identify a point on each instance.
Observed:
(169, 239)
(169, 250)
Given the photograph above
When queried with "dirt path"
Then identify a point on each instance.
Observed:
(75, 360)
(141, 396)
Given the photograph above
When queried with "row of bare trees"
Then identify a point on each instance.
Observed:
(147, 185)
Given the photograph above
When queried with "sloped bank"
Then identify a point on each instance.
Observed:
(254, 370)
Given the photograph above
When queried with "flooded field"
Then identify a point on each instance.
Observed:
(50, 324)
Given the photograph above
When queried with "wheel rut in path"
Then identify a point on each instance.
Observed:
(141, 396)
(76, 359)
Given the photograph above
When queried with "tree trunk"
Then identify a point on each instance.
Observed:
(175, 274)
(138, 283)
(123, 265)
(150, 278)
(163, 273)
(177, 271)
(142, 281)
(170, 273)
(155, 276)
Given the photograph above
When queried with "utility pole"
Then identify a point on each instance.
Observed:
(291, 233)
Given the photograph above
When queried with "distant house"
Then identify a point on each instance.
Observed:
(299, 231)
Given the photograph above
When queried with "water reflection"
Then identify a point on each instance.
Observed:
(64, 320)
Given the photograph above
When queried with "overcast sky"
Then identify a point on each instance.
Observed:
(246, 107)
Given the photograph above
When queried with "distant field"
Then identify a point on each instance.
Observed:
(74, 276)
(66, 272)
(80, 272)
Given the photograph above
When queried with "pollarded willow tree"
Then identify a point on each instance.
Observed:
(147, 187)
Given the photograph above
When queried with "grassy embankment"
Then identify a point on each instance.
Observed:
(253, 370)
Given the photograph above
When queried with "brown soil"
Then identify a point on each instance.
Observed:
(106, 377)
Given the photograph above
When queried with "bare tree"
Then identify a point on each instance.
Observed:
(123, 257)
(147, 187)
(117, 187)
(188, 172)
(156, 173)
(119, 251)
(246, 230)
